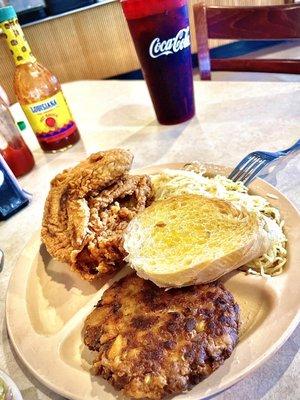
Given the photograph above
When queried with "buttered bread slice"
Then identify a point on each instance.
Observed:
(191, 239)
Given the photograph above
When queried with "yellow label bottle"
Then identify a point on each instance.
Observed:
(38, 91)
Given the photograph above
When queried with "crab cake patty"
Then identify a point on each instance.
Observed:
(152, 342)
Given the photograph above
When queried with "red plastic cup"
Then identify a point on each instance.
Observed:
(161, 35)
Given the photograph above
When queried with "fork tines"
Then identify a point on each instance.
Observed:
(248, 168)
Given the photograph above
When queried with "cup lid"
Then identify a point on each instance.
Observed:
(7, 13)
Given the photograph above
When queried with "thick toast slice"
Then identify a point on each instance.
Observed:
(191, 239)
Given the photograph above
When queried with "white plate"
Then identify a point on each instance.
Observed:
(11, 386)
(47, 304)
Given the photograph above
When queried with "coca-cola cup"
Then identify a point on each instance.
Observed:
(161, 35)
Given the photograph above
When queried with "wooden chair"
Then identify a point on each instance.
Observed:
(245, 23)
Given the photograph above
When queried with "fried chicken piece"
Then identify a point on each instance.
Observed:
(151, 342)
(88, 208)
(110, 212)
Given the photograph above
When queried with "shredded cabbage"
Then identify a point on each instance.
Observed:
(175, 182)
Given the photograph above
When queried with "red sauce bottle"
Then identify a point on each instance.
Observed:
(12, 146)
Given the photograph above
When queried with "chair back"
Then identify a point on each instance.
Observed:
(245, 23)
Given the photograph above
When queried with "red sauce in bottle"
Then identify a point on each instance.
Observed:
(18, 157)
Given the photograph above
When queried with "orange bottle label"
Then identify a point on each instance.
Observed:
(50, 119)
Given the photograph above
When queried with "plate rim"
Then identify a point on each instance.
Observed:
(235, 379)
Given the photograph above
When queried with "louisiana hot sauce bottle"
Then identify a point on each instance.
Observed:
(38, 90)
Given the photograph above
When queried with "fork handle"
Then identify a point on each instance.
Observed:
(296, 146)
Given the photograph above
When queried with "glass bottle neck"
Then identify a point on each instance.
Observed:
(16, 42)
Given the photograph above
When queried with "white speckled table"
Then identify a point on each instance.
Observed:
(233, 118)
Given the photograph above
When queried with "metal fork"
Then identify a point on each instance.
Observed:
(253, 163)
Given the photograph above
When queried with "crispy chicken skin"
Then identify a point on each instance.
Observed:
(88, 208)
(152, 342)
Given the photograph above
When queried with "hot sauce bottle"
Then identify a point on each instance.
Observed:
(12, 146)
(38, 90)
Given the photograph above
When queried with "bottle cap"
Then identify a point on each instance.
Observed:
(21, 125)
(7, 13)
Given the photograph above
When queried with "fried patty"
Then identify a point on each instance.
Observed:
(152, 342)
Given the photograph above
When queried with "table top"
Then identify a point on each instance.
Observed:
(233, 119)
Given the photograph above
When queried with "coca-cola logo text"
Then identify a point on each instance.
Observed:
(179, 42)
